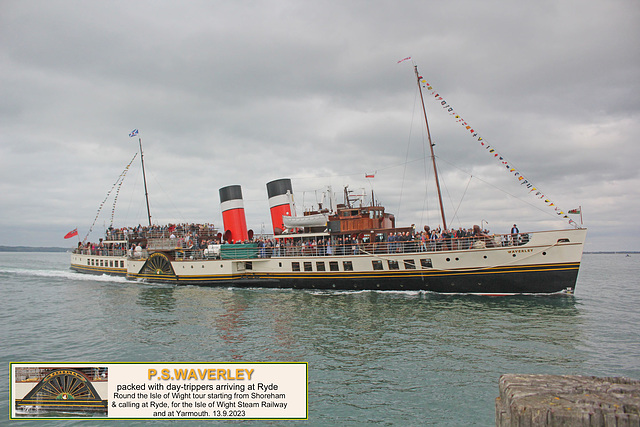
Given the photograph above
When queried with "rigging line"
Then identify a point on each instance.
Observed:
(119, 179)
(448, 195)
(180, 214)
(500, 189)
(455, 213)
(406, 159)
(427, 169)
(115, 199)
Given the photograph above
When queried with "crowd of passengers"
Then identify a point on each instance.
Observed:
(194, 238)
(190, 236)
(401, 242)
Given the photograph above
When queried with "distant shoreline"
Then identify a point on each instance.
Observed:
(56, 249)
(33, 249)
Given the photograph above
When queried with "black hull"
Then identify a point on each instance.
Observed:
(543, 279)
(98, 271)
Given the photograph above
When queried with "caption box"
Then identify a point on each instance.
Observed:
(164, 390)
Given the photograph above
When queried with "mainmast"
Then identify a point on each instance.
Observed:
(433, 157)
(144, 178)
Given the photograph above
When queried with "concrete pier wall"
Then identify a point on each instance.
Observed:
(567, 400)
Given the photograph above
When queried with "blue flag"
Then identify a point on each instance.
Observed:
(133, 133)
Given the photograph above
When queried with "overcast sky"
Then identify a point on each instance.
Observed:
(245, 92)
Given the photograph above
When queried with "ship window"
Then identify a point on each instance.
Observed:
(377, 265)
(248, 265)
(348, 266)
(110, 263)
(101, 263)
(393, 264)
(333, 266)
(426, 263)
(320, 266)
(295, 266)
(122, 264)
(409, 264)
(307, 266)
(563, 240)
(88, 262)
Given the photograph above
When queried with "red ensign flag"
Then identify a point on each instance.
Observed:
(72, 233)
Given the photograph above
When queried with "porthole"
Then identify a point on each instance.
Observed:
(514, 255)
(544, 253)
(448, 259)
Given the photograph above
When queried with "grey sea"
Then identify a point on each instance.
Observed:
(387, 358)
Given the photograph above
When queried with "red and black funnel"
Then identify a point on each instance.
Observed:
(233, 218)
(280, 194)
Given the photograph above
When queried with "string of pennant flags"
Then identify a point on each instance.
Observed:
(494, 152)
(116, 185)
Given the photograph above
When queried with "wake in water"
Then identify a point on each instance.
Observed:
(61, 274)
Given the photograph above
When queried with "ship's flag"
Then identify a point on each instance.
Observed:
(72, 233)
(370, 175)
(133, 133)
(574, 211)
(404, 59)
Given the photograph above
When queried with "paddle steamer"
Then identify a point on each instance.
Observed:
(347, 247)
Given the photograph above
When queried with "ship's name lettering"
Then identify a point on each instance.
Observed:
(201, 374)
(512, 251)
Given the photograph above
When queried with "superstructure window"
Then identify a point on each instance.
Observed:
(393, 264)
(333, 266)
(377, 265)
(307, 266)
(426, 263)
(295, 266)
(409, 264)
(348, 266)
(320, 266)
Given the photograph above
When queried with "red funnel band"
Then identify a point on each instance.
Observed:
(233, 218)
(235, 225)
(277, 212)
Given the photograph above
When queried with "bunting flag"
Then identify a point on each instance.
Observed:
(575, 211)
(72, 233)
(492, 151)
(118, 183)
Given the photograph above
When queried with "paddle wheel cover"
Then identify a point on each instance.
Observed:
(158, 265)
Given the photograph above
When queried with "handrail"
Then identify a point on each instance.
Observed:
(184, 249)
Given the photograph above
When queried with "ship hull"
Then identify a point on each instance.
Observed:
(548, 263)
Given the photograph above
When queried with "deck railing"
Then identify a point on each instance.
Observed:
(183, 250)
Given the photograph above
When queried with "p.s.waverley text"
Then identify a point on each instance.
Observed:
(202, 374)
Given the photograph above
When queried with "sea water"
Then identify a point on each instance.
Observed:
(388, 358)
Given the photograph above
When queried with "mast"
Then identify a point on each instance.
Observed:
(433, 157)
(144, 178)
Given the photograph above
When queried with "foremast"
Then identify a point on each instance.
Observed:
(433, 157)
